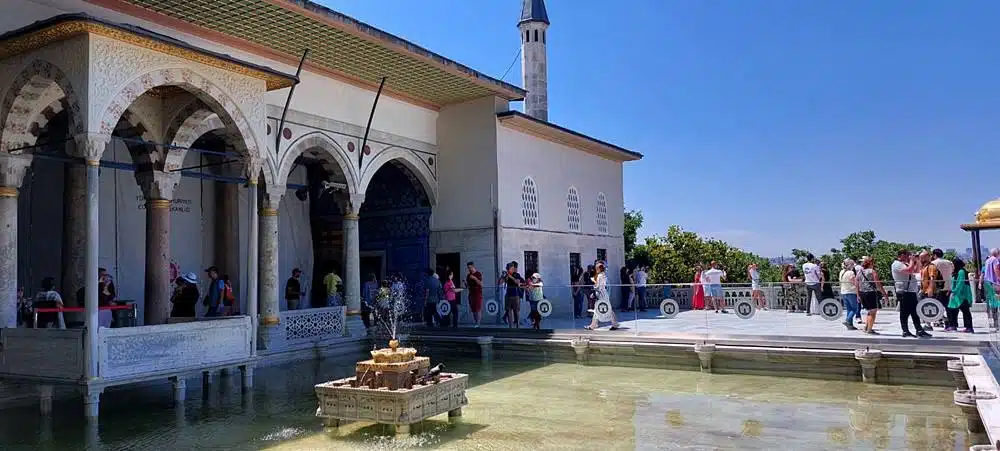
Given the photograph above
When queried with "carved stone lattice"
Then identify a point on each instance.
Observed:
(313, 324)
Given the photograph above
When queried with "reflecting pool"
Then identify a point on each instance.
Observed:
(517, 405)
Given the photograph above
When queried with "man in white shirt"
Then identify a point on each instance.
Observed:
(712, 279)
(640, 287)
(814, 281)
(907, 287)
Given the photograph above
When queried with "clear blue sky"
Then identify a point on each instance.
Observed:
(771, 124)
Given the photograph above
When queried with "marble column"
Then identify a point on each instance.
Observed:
(352, 265)
(74, 231)
(12, 170)
(158, 189)
(91, 147)
(252, 252)
(270, 328)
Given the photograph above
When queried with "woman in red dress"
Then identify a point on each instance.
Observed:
(697, 291)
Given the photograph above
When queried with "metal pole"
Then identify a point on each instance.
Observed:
(288, 101)
(364, 141)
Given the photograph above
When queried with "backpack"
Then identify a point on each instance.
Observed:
(227, 294)
(937, 282)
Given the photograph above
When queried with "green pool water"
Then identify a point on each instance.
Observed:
(517, 405)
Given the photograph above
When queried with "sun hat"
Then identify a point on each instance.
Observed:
(190, 278)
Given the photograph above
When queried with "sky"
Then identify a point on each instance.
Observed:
(771, 124)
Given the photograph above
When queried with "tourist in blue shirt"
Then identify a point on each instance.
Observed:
(432, 294)
(213, 296)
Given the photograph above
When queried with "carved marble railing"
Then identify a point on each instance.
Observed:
(145, 351)
(778, 296)
(52, 354)
(310, 327)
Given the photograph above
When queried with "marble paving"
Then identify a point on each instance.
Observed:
(763, 323)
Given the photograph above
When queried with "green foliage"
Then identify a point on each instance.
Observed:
(633, 222)
(865, 243)
(672, 258)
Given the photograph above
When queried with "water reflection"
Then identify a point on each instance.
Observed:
(513, 406)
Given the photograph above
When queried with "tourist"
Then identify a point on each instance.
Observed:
(827, 285)
(641, 278)
(947, 270)
(333, 284)
(626, 288)
(601, 291)
(712, 278)
(931, 284)
(575, 274)
(753, 272)
(960, 299)
(793, 287)
(870, 288)
(214, 293)
(857, 273)
(474, 282)
(814, 279)
(849, 293)
(293, 290)
(535, 295)
(451, 295)
(23, 308)
(697, 290)
(512, 298)
(991, 281)
(433, 293)
(369, 293)
(185, 296)
(228, 300)
(903, 269)
(587, 279)
(49, 298)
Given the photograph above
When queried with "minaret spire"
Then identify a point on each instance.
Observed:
(534, 60)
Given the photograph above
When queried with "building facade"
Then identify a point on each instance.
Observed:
(150, 138)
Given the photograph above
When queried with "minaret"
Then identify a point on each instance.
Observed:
(534, 22)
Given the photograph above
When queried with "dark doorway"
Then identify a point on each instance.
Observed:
(452, 261)
(371, 264)
(574, 261)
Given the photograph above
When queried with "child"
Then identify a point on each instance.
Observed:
(535, 296)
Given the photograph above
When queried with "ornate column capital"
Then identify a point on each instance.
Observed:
(90, 146)
(351, 203)
(12, 171)
(158, 185)
(270, 200)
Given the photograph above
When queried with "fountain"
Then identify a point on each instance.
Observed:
(396, 387)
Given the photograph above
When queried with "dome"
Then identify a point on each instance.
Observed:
(989, 213)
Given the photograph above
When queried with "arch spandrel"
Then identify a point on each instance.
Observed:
(421, 166)
(323, 142)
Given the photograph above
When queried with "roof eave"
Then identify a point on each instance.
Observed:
(608, 150)
(341, 21)
(275, 79)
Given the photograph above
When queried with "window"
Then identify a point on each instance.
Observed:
(573, 209)
(574, 261)
(602, 214)
(536, 35)
(602, 255)
(529, 203)
(543, 36)
(530, 263)
(527, 35)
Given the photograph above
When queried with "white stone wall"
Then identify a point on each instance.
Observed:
(554, 168)
(467, 176)
(553, 259)
(476, 245)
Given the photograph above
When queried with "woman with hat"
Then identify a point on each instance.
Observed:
(535, 295)
(185, 296)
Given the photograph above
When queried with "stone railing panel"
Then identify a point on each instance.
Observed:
(311, 326)
(148, 350)
(778, 296)
(42, 353)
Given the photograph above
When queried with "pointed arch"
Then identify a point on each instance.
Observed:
(420, 168)
(21, 98)
(205, 90)
(318, 140)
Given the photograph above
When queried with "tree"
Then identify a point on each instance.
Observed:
(866, 244)
(633, 222)
(672, 258)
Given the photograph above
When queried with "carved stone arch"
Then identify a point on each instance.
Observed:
(197, 123)
(47, 113)
(420, 168)
(319, 140)
(20, 102)
(206, 91)
(131, 129)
